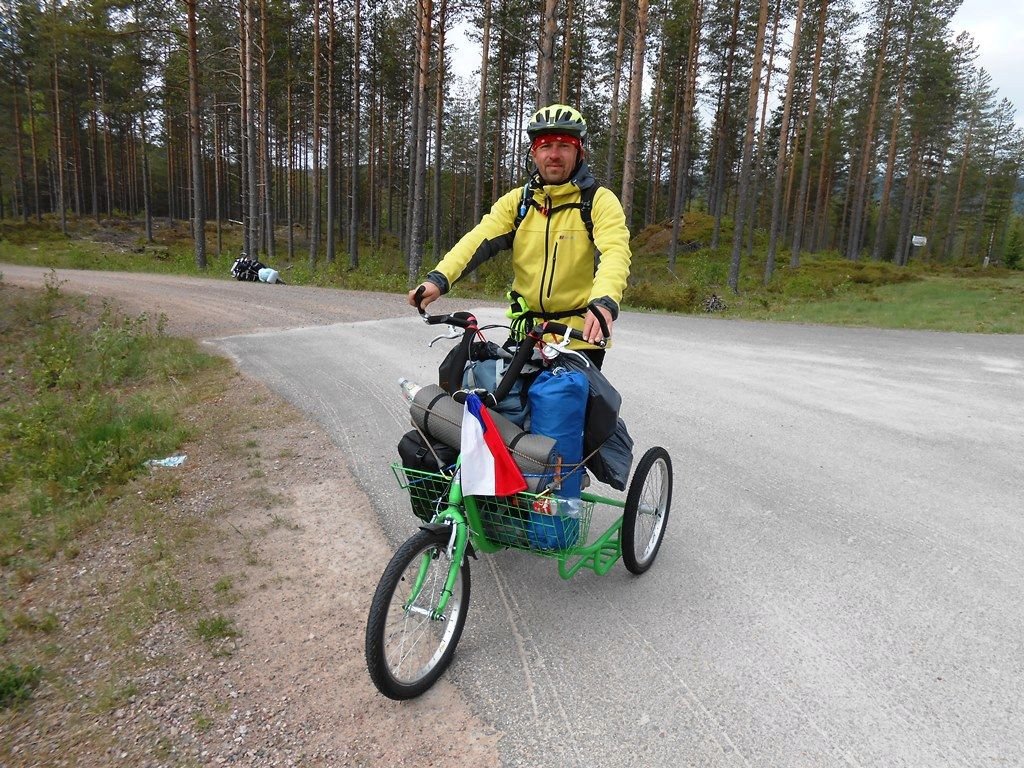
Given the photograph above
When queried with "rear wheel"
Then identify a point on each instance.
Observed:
(407, 649)
(646, 511)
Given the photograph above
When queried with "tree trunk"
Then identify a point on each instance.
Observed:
(805, 166)
(147, 197)
(636, 84)
(243, 111)
(759, 149)
(58, 139)
(251, 143)
(417, 203)
(748, 147)
(717, 191)
(290, 169)
(567, 22)
(332, 135)
(858, 213)
(35, 151)
(499, 119)
(546, 60)
(903, 241)
(266, 171)
(613, 112)
(314, 212)
(218, 148)
(108, 153)
(780, 161)
(481, 126)
(894, 132)
(22, 181)
(655, 142)
(195, 136)
(954, 214)
(76, 182)
(689, 103)
(442, 23)
(94, 140)
(353, 224)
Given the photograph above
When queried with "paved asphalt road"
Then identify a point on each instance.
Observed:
(842, 581)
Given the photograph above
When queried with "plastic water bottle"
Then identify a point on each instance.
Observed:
(558, 505)
(572, 507)
(409, 389)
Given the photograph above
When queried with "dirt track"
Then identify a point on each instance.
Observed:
(303, 565)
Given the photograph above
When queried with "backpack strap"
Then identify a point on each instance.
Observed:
(585, 205)
(587, 208)
(524, 206)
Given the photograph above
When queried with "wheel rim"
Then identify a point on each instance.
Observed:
(414, 643)
(650, 511)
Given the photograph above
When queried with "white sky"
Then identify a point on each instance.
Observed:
(998, 28)
(996, 25)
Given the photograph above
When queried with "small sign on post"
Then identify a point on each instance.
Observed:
(919, 240)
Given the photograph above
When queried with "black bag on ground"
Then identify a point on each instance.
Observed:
(425, 493)
(247, 269)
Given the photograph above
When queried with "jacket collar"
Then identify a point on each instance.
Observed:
(581, 179)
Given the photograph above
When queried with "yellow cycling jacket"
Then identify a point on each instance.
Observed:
(556, 268)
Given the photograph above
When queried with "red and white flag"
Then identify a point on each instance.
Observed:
(488, 469)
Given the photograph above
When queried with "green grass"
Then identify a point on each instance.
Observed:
(29, 622)
(216, 628)
(939, 303)
(86, 397)
(114, 695)
(825, 288)
(17, 682)
(82, 406)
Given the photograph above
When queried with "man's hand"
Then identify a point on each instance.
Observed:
(431, 293)
(592, 328)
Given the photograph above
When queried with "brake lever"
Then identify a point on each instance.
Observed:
(453, 333)
(551, 350)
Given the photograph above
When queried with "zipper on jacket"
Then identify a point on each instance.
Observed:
(551, 276)
(547, 239)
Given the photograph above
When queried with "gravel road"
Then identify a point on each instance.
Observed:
(840, 584)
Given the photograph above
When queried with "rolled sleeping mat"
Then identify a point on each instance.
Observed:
(437, 414)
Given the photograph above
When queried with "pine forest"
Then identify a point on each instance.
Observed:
(317, 128)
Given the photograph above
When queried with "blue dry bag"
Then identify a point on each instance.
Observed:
(558, 409)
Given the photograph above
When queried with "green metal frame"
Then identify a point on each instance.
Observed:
(471, 517)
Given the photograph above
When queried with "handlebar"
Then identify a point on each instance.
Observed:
(468, 322)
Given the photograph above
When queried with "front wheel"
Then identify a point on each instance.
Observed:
(407, 648)
(646, 512)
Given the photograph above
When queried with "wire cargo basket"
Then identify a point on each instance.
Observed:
(534, 522)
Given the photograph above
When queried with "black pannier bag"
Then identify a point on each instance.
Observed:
(425, 492)
(614, 459)
(247, 269)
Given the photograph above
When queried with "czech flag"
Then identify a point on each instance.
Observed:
(487, 467)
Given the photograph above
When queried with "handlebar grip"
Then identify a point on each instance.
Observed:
(464, 320)
(418, 298)
(561, 329)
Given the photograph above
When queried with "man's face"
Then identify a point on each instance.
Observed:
(555, 160)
